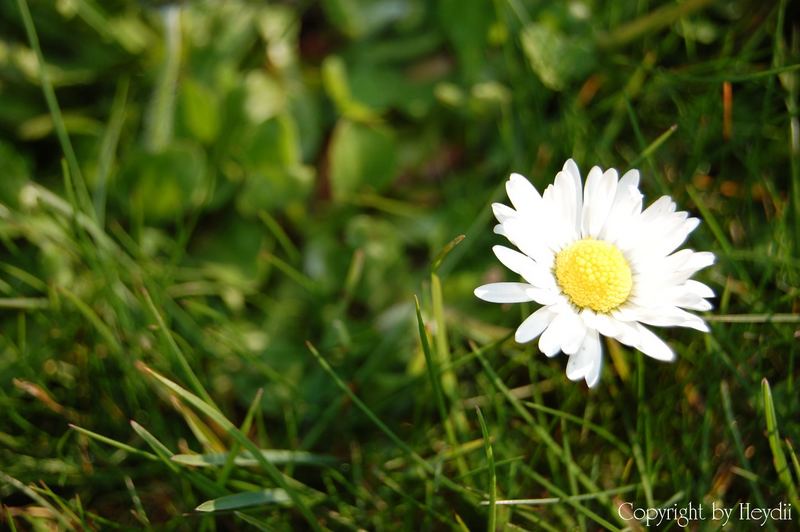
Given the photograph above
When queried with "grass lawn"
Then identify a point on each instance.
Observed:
(240, 241)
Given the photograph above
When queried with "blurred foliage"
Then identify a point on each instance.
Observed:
(277, 172)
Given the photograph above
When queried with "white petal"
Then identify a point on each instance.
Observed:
(523, 194)
(531, 240)
(504, 292)
(586, 362)
(534, 325)
(579, 365)
(597, 201)
(607, 326)
(525, 266)
(698, 288)
(558, 332)
(544, 296)
(665, 315)
(676, 237)
(697, 262)
(625, 329)
(503, 212)
(653, 346)
(626, 207)
(574, 339)
(568, 203)
(595, 354)
(630, 178)
(571, 169)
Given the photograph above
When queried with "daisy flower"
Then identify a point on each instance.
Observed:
(599, 265)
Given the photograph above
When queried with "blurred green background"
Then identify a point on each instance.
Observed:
(226, 181)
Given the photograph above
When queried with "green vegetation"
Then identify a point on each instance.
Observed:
(216, 216)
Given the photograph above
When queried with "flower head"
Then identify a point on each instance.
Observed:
(599, 265)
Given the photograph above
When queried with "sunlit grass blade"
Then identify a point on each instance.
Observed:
(245, 459)
(24, 303)
(559, 500)
(245, 500)
(202, 432)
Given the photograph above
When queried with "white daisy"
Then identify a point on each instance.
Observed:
(597, 264)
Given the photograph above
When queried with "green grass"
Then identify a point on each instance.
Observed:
(240, 239)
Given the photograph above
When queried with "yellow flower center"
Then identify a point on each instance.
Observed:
(594, 274)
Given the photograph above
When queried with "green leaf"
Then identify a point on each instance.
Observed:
(359, 18)
(199, 110)
(556, 58)
(337, 85)
(163, 186)
(466, 25)
(264, 97)
(361, 155)
(15, 171)
(273, 143)
(275, 456)
(245, 499)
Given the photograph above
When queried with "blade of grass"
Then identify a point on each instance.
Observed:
(733, 426)
(114, 443)
(83, 202)
(176, 351)
(662, 17)
(160, 116)
(433, 375)
(573, 484)
(597, 429)
(537, 429)
(571, 500)
(559, 500)
(139, 511)
(108, 147)
(213, 413)
(491, 526)
(280, 235)
(774, 437)
(244, 500)
(94, 319)
(63, 521)
(276, 456)
(415, 457)
(245, 428)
